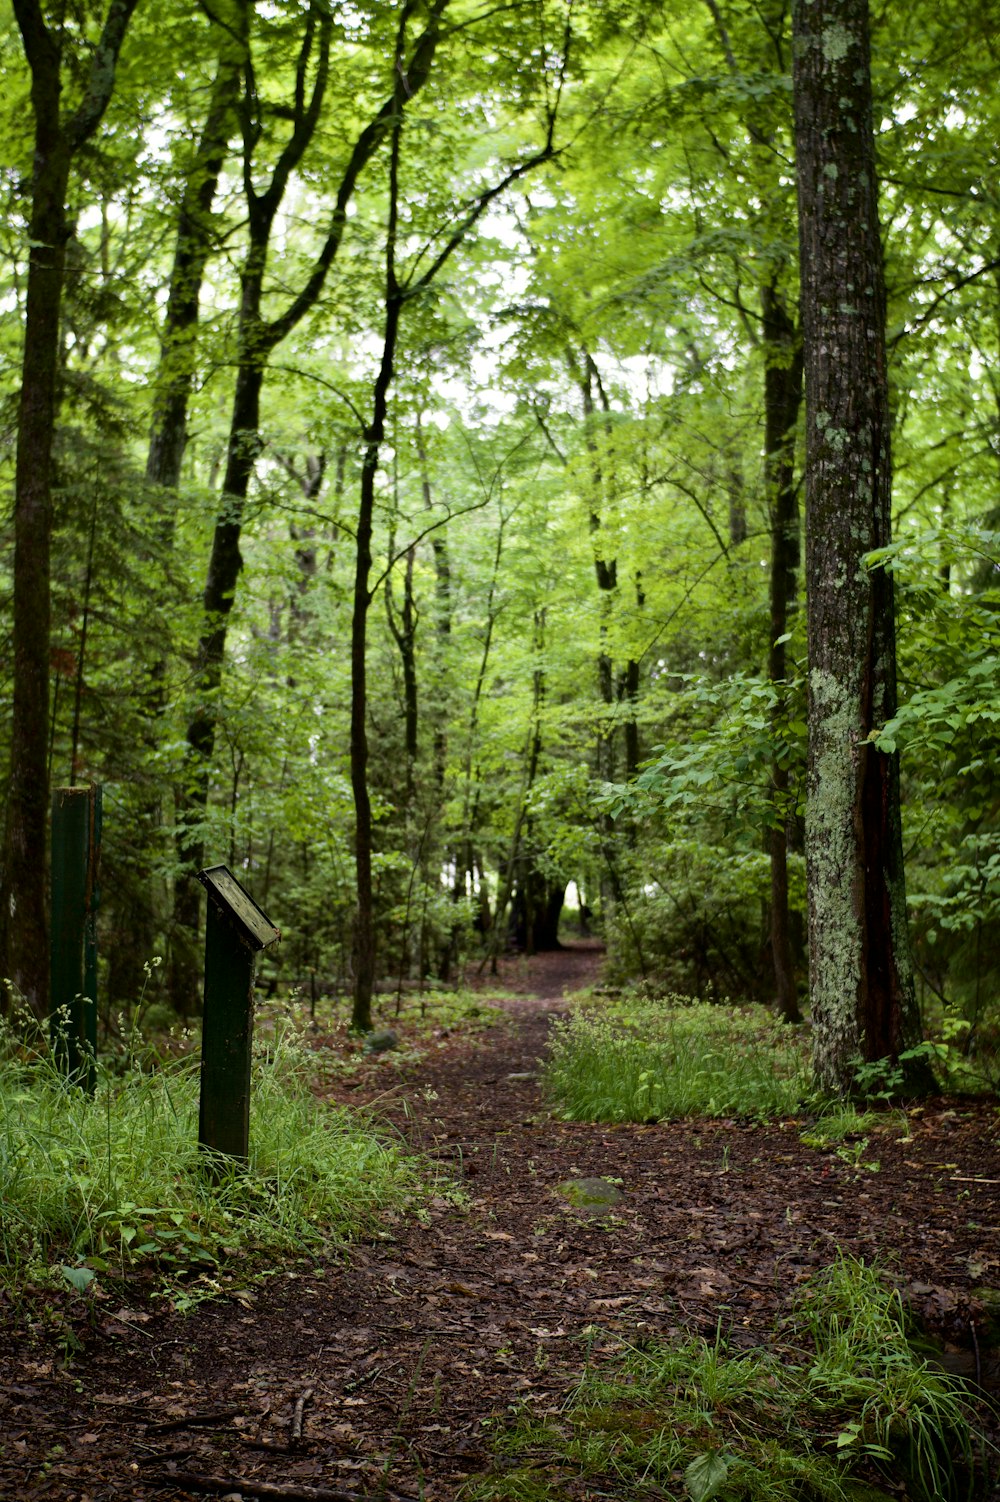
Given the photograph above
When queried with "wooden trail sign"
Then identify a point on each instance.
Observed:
(235, 932)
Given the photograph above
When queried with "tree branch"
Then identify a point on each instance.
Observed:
(408, 82)
(101, 81)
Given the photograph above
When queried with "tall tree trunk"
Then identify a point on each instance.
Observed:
(225, 563)
(863, 995)
(257, 339)
(395, 296)
(782, 399)
(24, 910)
(403, 628)
(192, 248)
(24, 947)
(605, 569)
(442, 621)
(167, 443)
(364, 929)
(465, 859)
(628, 692)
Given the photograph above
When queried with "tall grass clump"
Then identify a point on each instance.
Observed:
(116, 1180)
(674, 1059)
(842, 1410)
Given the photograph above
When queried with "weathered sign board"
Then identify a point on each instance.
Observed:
(236, 931)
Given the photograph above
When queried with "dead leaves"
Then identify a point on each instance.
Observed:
(420, 1342)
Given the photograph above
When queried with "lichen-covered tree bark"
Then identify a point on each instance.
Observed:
(862, 988)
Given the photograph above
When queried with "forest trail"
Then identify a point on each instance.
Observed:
(400, 1361)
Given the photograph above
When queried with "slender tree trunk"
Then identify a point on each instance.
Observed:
(863, 995)
(192, 248)
(464, 861)
(364, 919)
(395, 296)
(629, 685)
(403, 626)
(167, 443)
(782, 399)
(225, 563)
(364, 929)
(605, 569)
(516, 864)
(442, 622)
(257, 339)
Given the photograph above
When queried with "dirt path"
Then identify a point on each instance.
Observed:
(411, 1353)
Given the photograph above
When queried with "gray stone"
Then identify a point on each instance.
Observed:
(381, 1042)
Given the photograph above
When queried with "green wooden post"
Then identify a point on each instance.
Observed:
(235, 932)
(76, 850)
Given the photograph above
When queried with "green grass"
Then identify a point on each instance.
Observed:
(839, 1411)
(673, 1059)
(842, 1122)
(425, 1023)
(116, 1182)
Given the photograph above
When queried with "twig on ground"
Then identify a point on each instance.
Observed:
(160, 1457)
(195, 1420)
(298, 1415)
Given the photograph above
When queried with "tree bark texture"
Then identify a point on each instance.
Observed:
(863, 995)
(27, 808)
(193, 246)
(364, 923)
(782, 400)
(257, 339)
(23, 913)
(167, 443)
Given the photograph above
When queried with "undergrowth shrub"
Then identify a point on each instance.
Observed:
(841, 1410)
(117, 1180)
(675, 1058)
(696, 927)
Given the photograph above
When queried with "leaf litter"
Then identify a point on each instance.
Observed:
(387, 1372)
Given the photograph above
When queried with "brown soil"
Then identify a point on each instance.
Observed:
(405, 1357)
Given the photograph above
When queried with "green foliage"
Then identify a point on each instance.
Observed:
(580, 391)
(692, 918)
(117, 1182)
(841, 1411)
(728, 737)
(672, 1058)
(693, 926)
(946, 729)
(954, 636)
